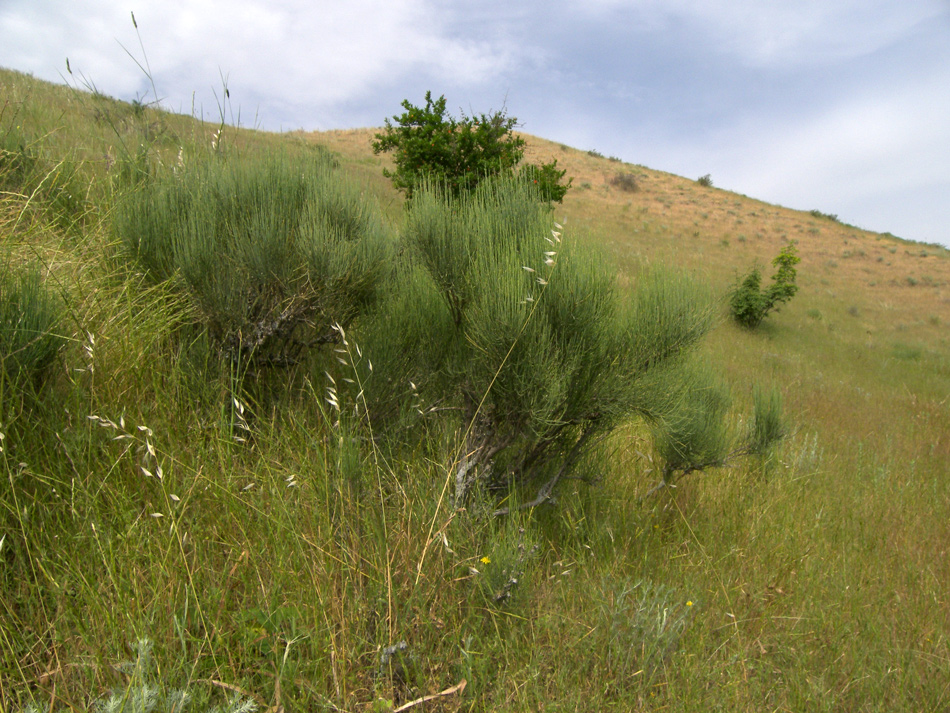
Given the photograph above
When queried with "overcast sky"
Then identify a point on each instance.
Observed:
(837, 105)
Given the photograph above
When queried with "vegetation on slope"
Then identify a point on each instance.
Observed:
(267, 553)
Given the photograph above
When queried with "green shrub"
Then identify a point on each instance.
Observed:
(547, 178)
(429, 145)
(272, 252)
(749, 303)
(529, 343)
(705, 181)
(29, 319)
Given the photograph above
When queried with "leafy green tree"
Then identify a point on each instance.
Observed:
(428, 144)
(750, 304)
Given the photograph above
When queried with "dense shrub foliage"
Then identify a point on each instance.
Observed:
(29, 319)
(272, 252)
(547, 179)
(428, 144)
(750, 304)
(529, 342)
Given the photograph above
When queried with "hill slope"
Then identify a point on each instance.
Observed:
(277, 559)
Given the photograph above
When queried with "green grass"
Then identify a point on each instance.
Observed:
(265, 552)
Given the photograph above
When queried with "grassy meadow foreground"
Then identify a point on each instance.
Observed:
(165, 543)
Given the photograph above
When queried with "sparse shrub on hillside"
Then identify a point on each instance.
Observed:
(625, 182)
(749, 303)
(826, 216)
(272, 252)
(705, 181)
(428, 144)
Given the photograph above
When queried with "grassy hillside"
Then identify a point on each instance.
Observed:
(274, 557)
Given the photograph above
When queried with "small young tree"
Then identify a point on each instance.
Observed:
(749, 303)
(428, 144)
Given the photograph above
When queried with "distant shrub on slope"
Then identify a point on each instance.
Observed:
(429, 146)
(749, 303)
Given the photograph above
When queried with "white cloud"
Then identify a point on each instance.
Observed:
(786, 34)
(308, 53)
(897, 135)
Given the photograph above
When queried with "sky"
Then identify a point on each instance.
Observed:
(837, 105)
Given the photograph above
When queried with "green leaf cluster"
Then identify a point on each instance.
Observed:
(749, 303)
(430, 146)
(547, 179)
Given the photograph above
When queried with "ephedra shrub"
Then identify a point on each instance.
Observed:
(30, 339)
(272, 250)
(527, 341)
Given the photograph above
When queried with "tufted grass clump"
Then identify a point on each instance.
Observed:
(51, 189)
(640, 625)
(769, 425)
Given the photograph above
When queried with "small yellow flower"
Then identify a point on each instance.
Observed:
(485, 560)
(689, 604)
